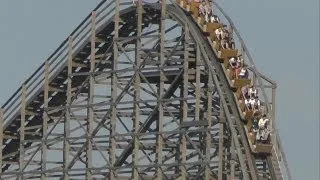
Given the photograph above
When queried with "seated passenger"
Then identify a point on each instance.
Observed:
(218, 33)
(245, 92)
(233, 62)
(266, 137)
(255, 126)
(251, 101)
(247, 104)
(253, 92)
(202, 11)
(232, 44)
(224, 43)
(235, 65)
(214, 18)
(259, 136)
(225, 34)
(244, 74)
(263, 135)
(256, 105)
(208, 11)
(240, 59)
(263, 122)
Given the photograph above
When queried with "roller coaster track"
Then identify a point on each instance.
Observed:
(135, 92)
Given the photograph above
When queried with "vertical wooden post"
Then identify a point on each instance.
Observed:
(66, 147)
(1, 137)
(273, 121)
(161, 92)
(209, 119)
(45, 122)
(22, 129)
(221, 146)
(135, 171)
(90, 98)
(183, 146)
(233, 158)
(114, 88)
(202, 135)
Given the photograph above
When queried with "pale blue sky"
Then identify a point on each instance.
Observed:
(283, 37)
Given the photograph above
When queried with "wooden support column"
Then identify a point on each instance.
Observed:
(221, 146)
(136, 120)
(114, 82)
(1, 137)
(66, 143)
(90, 99)
(183, 144)
(208, 132)
(233, 158)
(197, 107)
(273, 121)
(45, 121)
(22, 129)
(161, 93)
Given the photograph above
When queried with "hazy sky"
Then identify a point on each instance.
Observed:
(283, 37)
